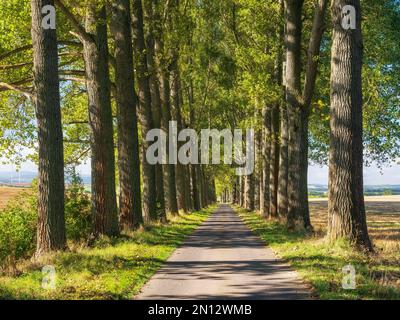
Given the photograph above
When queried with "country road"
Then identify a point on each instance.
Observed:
(223, 259)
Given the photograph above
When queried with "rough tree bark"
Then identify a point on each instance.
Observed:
(275, 126)
(149, 7)
(146, 118)
(180, 171)
(257, 169)
(130, 204)
(104, 206)
(51, 220)
(203, 186)
(283, 174)
(308, 91)
(274, 162)
(250, 192)
(298, 106)
(194, 186)
(165, 91)
(242, 188)
(293, 11)
(266, 152)
(95, 53)
(346, 213)
(199, 179)
(188, 196)
(213, 191)
(174, 19)
(193, 167)
(169, 169)
(283, 163)
(235, 191)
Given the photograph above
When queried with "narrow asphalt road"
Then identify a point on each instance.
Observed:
(224, 259)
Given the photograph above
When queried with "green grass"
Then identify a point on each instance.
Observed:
(320, 264)
(113, 269)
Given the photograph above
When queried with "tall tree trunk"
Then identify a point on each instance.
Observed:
(296, 206)
(275, 124)
(346, 213)
(213, 195)
(274, 162)
(194, 186)
(235, 191)
(188, 196)
(200, 185)
(304, 170)
(283, 174)
(203, 184)
(165, 91)
(130, 204)
(175, 95)
(155, 100)
(146, 118)
(51, 220)
(283, 163)
(258, 169)
(104, 206)
(298, 210)
(257, 192)
(193, 167)
(266, 153)
(205, 188)
(242, 190)
(309, 85)
(250, 192)
(168, 169)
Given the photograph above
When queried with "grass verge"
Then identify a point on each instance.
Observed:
(320, 264)
(113, 269)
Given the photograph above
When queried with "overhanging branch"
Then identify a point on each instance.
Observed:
(9, 86)
(81, 32)
(314, 52)
(29, 46)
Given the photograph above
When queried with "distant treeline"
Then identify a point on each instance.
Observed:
(370, 190)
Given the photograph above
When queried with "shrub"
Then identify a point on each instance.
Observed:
(77, 209)
(18, 229)
(18, 222)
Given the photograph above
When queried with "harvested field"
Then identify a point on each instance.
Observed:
(7, 194)
(383, 217)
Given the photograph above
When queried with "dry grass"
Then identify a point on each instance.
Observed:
(320, 263)
(383, 218)
(7, 194)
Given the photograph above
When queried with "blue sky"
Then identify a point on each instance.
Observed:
(372, 175)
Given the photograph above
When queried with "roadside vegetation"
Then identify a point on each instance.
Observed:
(89, 81)
(114, 268)
(320, 263)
